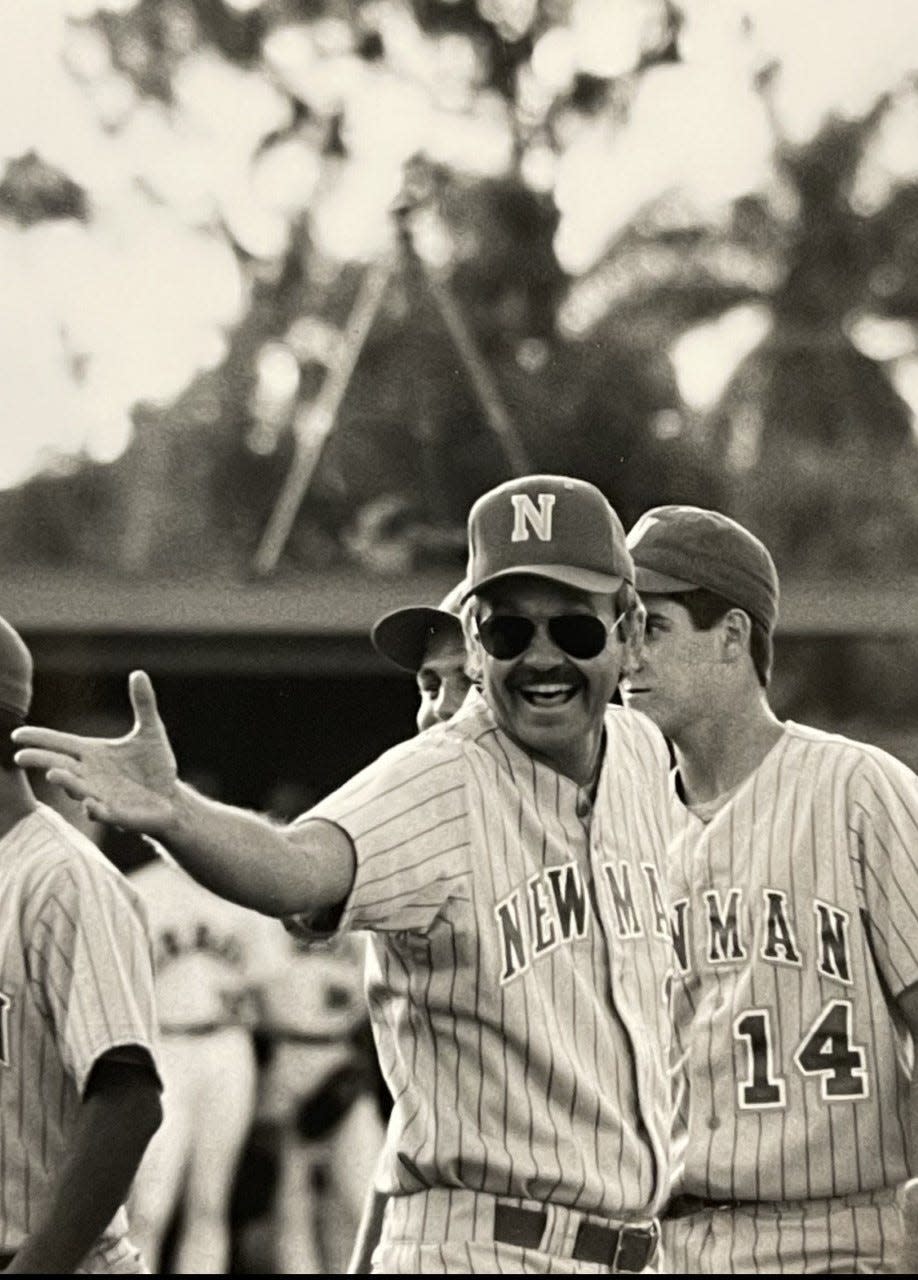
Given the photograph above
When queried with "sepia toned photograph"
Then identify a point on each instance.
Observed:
(458, 636)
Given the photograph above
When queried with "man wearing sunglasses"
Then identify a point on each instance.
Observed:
(794, 875)
(508, 865)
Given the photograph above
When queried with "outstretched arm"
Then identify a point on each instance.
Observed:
(132, 782)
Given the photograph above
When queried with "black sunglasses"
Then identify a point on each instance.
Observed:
(580, 635)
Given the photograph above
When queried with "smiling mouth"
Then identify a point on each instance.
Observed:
(547, 695)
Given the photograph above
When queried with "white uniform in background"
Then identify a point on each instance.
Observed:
(320, 1091)
(209, 955)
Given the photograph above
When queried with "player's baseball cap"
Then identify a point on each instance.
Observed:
(403, 636)
(548, 527)
(15, 672)
(680, 548)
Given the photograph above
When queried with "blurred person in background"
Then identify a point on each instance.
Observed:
(793, 872)
(320, 1090)
(211, 957)
(79, 1072)
(428, 642)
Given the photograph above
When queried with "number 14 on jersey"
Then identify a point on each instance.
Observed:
(825, 1051)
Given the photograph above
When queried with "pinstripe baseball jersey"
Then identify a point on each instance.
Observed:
(207, 952)
(75, 981)
(795, 909)
(517, 968)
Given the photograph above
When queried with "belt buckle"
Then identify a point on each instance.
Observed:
(619, 1239)
(639, 1236)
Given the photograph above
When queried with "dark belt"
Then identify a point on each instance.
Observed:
(684, 1206)
(619, 1248)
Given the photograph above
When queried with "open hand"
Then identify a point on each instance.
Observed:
(130, 781)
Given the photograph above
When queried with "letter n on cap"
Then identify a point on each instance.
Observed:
(526, 514)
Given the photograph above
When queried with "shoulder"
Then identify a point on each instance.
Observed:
(62, 863)
(443, 746)
(634, 734)
(430, 763)
(868, 770)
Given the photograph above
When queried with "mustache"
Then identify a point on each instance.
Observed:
(549, 675)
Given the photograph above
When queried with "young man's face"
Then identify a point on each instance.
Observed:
(441, 679)
(675, 675)
(549, 700)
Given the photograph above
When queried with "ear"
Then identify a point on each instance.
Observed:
(736, 629)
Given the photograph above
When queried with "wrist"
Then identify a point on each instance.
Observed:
(176, 818)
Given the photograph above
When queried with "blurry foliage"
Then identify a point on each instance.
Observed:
(809, 442)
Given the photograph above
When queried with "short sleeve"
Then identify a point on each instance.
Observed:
(407, 818)
(884, 825)
(90, 953)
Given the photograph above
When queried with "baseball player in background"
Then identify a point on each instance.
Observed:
(428, 642)
(509, 865)
(79, 1080)
(320, 1090)
(794, 879)
(210, 958)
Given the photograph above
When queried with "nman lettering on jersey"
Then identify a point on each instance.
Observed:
(724, 919)
(526, 516)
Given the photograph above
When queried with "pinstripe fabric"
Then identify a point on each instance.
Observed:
(76, 975)
(517, 970)
(796, 909)
(855, 1234)
(443, 1231)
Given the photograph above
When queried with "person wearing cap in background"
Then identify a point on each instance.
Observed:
(79, 1081)
(509, 865)
(794, 876)
(429, 643)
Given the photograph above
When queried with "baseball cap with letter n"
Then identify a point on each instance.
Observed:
(682, 548)
(550, 527)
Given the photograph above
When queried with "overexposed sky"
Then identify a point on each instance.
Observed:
(131, 305)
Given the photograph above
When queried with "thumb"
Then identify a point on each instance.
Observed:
(143, 701)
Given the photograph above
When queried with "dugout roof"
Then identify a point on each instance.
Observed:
(317, 623)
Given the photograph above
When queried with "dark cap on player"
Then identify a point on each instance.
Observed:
(404, 635)
(550, 527)
(680, 548)
(15, 672)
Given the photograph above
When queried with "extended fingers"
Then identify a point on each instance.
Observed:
(37, 758)
(96, 810)
(33, 735)
(75, 786)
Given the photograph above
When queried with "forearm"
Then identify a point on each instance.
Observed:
(250, 860)
(111, 1136)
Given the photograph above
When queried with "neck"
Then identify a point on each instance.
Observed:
(580, 762)
(16, 799)
(717, 753)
